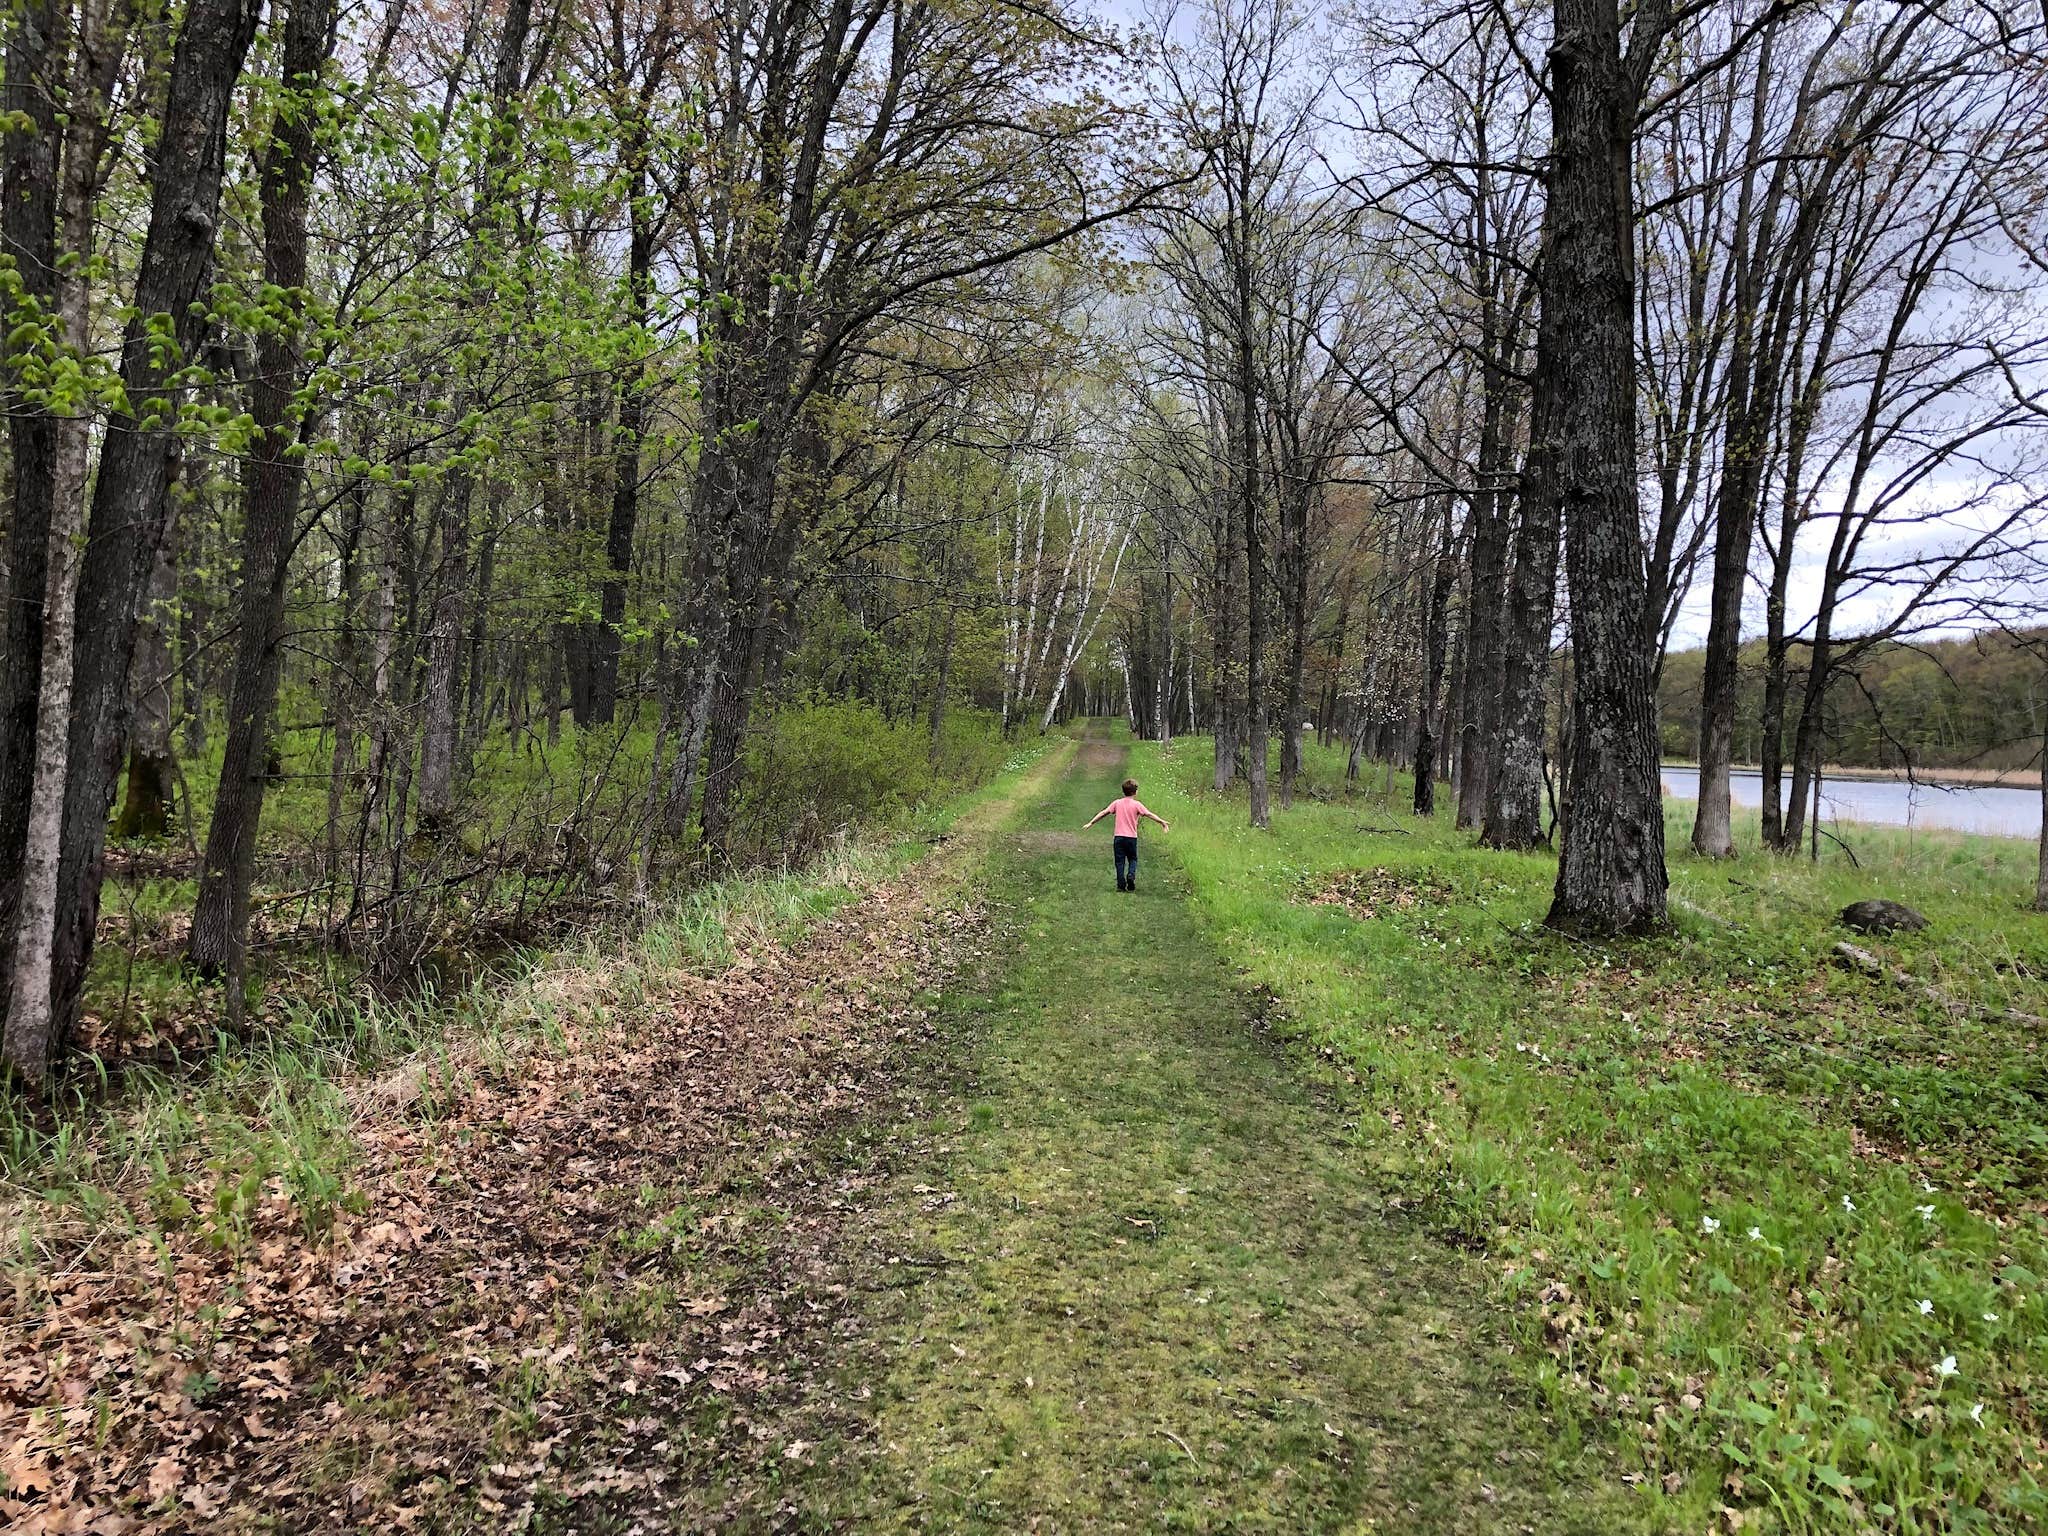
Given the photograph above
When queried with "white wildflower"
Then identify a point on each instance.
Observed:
(1756, 1234)
(1926, 1212)
(1990, 1317)
(1926, 1308)
(1708, 1224)
(1946, 1367)
(1976, 1413)
(1848, 1205)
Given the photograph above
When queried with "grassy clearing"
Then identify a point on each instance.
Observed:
(1778, 1224)
(1132, 1276)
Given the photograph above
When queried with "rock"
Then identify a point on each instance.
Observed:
(1880, 916)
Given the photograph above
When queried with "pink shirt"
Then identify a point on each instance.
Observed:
(1128, 810)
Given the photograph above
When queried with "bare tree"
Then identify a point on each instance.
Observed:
(1848, 81)
(1241, 97)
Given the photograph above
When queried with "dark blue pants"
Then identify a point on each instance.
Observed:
(1126, 861)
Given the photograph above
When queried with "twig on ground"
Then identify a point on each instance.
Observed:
(1871, 965)
(1519, 935)
(1694, 909)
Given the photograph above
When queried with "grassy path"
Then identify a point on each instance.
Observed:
(1137, 1282)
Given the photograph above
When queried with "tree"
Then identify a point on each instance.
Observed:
(32, 94)
(1242, 101)
(1611, 876)
(1795, 155)
(858, 162)
(126, 522)
(274, 483)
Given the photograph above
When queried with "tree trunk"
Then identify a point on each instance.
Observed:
(1514, 788)
(731, 468)
(1222, 660)
(130, 493)
(1807, 742)
(1165, 703)
(1771, 727)
(1436, 641)
(1752, 394)
(2041, 884)
(1483, 641)
(758, 591)
(146, 805)
(30, 95)
(1454, 700)
(31, 1045)
(439, 692)
(343, 665)
(273, 480)
(1611, 876)
(1297, 655)
(191, 632)
(1250, 498)
(732, 703)
(626, 445)
(1713, 830)
(942, 681)
(476, 645)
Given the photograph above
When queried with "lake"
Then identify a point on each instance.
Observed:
(1993, 810)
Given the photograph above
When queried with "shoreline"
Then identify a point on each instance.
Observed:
(1966, 778)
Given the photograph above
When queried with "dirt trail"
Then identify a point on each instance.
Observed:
(1131, 1278)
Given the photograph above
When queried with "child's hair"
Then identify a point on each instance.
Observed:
(1130, 786)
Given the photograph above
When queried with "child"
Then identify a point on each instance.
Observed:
(1128, 812)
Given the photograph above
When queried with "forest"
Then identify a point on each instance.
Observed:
(491, 480)
(451, 454)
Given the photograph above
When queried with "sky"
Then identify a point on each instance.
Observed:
(1860, 612)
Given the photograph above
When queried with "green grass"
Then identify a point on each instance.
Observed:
(1134, 1276)
(1716, 1175)
(1555, 1237)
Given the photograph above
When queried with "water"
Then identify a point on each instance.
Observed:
(1989, 809)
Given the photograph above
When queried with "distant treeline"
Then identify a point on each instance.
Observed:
(1978, 701)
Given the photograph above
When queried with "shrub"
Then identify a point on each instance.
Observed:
(820, 765)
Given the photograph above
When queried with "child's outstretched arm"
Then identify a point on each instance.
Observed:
(1098, 816)
(1160, 819)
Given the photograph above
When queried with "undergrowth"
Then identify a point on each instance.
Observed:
(545, 847)
(198, 1137)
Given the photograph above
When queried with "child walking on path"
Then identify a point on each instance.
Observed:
(1128, 811)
